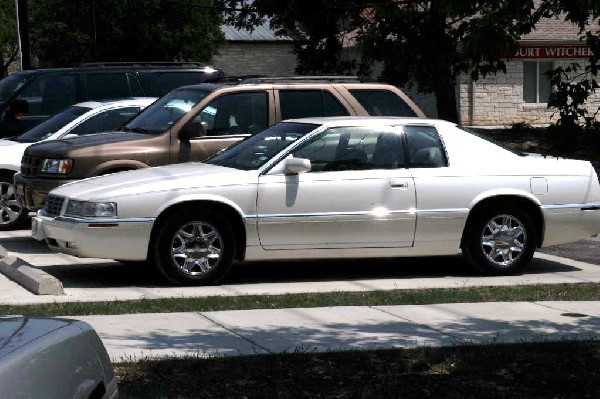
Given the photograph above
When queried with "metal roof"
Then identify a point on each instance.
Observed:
(262, 33)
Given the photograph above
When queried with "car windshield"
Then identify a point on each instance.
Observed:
(10, 84)
(255, 151)
(163, 113)
(51, 125)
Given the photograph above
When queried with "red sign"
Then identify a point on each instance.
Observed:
(562, 51)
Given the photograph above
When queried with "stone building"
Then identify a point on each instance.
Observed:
(520, 95)
(257, 52)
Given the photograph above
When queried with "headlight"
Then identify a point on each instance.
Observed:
(91, 209)
(56, 166)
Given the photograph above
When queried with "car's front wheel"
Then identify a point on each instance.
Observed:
(12, 215)
(500, 242)
(194, 247)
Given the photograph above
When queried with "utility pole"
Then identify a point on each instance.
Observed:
(23, 30)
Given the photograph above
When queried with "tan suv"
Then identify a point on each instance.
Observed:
(194, 122)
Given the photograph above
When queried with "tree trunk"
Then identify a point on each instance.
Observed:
(445, 96)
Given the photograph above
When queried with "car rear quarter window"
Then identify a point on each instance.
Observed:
(381, 102)
(425, 149)
(309, 103)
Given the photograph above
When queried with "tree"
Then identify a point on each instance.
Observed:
(573, 84)
(67, 32)
(429, 43)
(8, 35)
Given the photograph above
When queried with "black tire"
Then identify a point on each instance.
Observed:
(12, 215)
(499, 242)
(209, 247)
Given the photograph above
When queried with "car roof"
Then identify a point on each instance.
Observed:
(211, 86)
(114, 102)
(340, 121)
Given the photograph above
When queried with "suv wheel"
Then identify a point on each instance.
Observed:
(12, 215)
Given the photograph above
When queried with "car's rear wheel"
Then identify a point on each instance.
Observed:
(500, 242)
(12, 215)
(194, 246)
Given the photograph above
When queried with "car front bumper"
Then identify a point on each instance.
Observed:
(123, 239)
(31, 192)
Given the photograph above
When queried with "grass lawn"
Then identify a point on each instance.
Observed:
(532, 370)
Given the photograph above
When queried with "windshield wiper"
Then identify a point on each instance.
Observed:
(134, 129)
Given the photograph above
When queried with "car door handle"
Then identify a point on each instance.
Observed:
(399, 185)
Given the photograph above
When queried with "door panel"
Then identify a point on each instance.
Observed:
(370, 208)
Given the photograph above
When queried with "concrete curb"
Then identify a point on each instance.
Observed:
(33, 279)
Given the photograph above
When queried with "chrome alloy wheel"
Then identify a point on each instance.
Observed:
(196, 248)
(10, 210)
(503, 240)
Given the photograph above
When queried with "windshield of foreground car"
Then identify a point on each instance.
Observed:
(165, 111)
(255, 151)
(10, 84)
(51, 125)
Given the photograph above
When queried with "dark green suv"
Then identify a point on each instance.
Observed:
(44, 92)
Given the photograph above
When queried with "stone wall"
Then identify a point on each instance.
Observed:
(497, 100)
(252, 58)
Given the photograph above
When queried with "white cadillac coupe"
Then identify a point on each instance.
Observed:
(330, 188)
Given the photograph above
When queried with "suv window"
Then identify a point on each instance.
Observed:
(47, 96)
(354, 148)
(107, 85)
(158, 83)
(307, 103)
(382, 102)
(425, 148)
(236, 113)
(105, 121)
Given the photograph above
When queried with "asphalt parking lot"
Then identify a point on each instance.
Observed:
(100, 280)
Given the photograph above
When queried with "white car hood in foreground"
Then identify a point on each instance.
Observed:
(11, 154)
(184, 176)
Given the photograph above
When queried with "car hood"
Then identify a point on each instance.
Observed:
(17, 331)
(183, 176)
(7, 143)
(58, 148)
(10, 155)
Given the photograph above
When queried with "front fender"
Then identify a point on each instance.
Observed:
(201, 197)
(115, 164)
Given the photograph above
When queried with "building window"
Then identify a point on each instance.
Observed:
(536, 83)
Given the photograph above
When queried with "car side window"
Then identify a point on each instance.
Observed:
(236, 113)
(158, 83)
(105, 121)
(425, 148)
(309, 103)
(354, 148)
(382, 102)
(107, 85)
(47, 96)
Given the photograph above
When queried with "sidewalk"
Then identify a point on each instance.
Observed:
(232, 333)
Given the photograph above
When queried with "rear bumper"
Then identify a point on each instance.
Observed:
(570, 222)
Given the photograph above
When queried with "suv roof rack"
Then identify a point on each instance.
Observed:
(143, 63)
(302, 79)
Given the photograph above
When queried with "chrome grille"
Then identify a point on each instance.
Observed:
(53, 205)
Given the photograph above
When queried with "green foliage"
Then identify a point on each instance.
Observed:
(67, 32)
(8, 34)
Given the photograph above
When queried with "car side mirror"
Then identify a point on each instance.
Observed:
(294, 166)
(192, 130)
